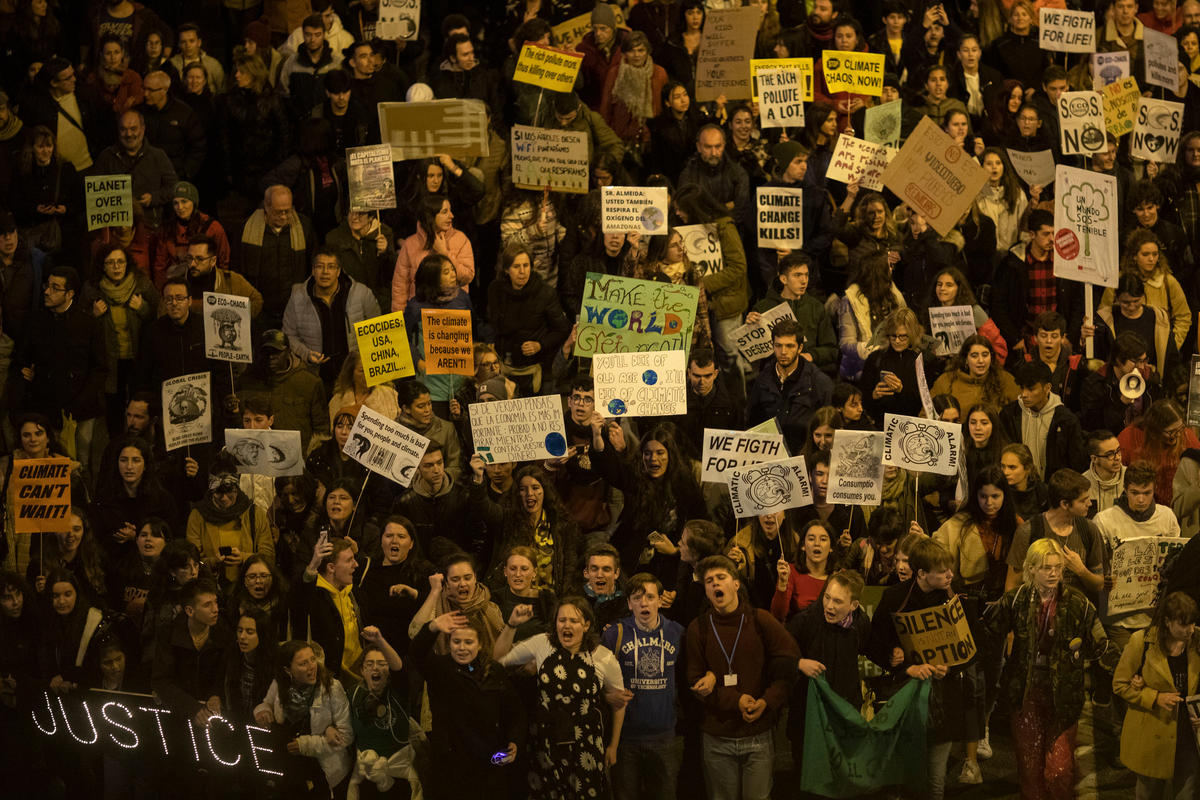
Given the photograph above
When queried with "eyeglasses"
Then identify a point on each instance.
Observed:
(175, 299)
(1173, 433)
(50, 287)
(114, 262)
(258, 576)
(580, 398)
(1109, 454)
(898, 337)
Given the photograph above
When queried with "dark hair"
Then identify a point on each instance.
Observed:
(1031, 373)
(1128, 346)
(407, 524)
(701, 356)
(1039, 218)
(1065, 485)
(942, 402)
(313, 21)
(851, 579)
(259, 405)
(339, 545)
(717, 562)
(929, 556)
(431, 206)
(70, 275)
(1131, 284)
(695, 203)
(1095, 438)
(1177, 607)
(787, 327)
(509, 255)
(459, 557)
(1145, 191)
(408, 392)
(874, 279)
(337, 81)
(603, 550)
(193, 589)
(1005, 524)
(964, 295)
(1140, 473)
(111, 484)
(637, 583)
(707, 538)
(205, 240)
(886, 525)
(591, 636)
(842, 392)
(427, 283)
(12, 580)
(287, 653)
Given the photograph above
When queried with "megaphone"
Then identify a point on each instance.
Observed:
(1133, 385)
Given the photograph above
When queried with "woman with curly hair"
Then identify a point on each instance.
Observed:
(975, 376)
(129, 493)
(869, 300)
(1145, 257)
(1160, 437)
(76, 551)
(666, 260)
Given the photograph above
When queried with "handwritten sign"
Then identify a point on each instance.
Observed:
(265, 452)
(570, 33)
(1156, 130)
(640, 384)
(1108, 68)
(385, 447)
(922, 445)
(449, 344)
(857, 73)
(723, 62)
(1036, 168)
(457, 128)
(754, 339)
(780, 218)
(40, 495)
(227, 327)
(1136, 572)
(856, 468)
(781, 97)
(703, 247)
(1081, 123)
(634, 209)
(950, 326)
(935, 176)
(771, 486)
(398, 19)
(187, 410)
(859, 160)
(547, 67)
(1066, 31)
(372, 185)
(802, 66)
(543, 158)
(1162, 59)
(525, 429)
(1085, 226)
(725, 451)
(108, 201)
(881, 123)
(625, 315)
(1120, 105)
(939, 635)
(383, 347)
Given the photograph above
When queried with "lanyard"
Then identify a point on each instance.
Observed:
(720, 644)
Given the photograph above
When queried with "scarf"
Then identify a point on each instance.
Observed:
(297, 702)
(632, 88)
(256, 228)
(1136, 516)
(117, 295)
(478, 607)
(220, 516)
(10, 128)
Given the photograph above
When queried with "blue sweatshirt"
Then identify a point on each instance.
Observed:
(647, 660)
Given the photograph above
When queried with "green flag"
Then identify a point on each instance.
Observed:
(846, 756)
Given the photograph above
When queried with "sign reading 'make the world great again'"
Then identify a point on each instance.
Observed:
(629, 315)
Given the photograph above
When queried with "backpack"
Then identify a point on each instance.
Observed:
(1037, 530)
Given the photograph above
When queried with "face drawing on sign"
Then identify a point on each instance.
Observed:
(187, 404)
(228, 327)
(921, 444)
(254, 453)
(768, 486)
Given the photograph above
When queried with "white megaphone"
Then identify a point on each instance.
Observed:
(1133, 385)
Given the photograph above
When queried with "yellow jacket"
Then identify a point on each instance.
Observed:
(960, 537)
(1148, 735)
(253, 537)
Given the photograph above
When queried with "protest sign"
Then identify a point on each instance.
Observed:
(383, 348)
(771, 486)
(570, 33)
(781, 100)
(634, 209)
(940, 635)
(449, 344)
(40, 495)
(881, 124)
(1108, 68)
(1036, 168)
(1156, 130)
(801, 66)
(723, 63)
(108, 201)
(385, 447)
(265, 452)
(227, 327)
(1085, 208)
(854, 72)
(935, 176)
(398, 19)
(1066, 31)
(780, 218)
(547, 67)
(1136, 572)
(458, 128)
(859, 160)
(769, 425)
(950, 326)
(625, 315)
(754, 338)
(856, 468)
(923, 387)
(1120, 104)
(1162, 59)
(648, 384)
(922, 445)
(703, 247)
(1193, 404)
(369, 170)
(187, 403)
(725, 451)
(525, 429)
(1081, 123)
(542, 158)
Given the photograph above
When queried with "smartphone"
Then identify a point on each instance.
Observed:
(225, 551)
(883, 373)
(323, 538)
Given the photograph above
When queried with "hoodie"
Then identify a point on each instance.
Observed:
(1035, 426)
(347, 608)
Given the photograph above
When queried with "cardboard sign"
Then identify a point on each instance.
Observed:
(859, 160)
(570, 33)
(398, 19)
(935, 176)
(449, 344)
(1085, 226)
(950, 326)
(1036, 168)
(703, 247)
(1081, 123)
(723, 62)
(634, 209)
(725, 451)
(187, 410)
(1136, 566)
(227, 327)
(542, 158)
(626, 315)
(372, 185)
(856, 468)
(857, 73)
(781, 97)
(1156, 130)
(383, 347)
(108, 201)
(1066, 31)
(457, 128)
(762, 488)
(939, 635)
(754, 339)
(269, 452)
(385, 447)
(525, 429)
(780, 218)
(1120, 105)
(40, 495)
(640, 384)
(548, 67)
(1108, 68)
(802, 66)
(881, 123)
(922, 445)
(1162, 59)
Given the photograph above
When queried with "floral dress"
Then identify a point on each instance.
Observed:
(569, 754)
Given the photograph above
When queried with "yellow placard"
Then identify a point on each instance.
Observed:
(1120, 105)
(40, 496)
(547, 67)
(383, 346)
(802, 65)
(939, 635)
(448, 341)
(570, 33)
(858, 73)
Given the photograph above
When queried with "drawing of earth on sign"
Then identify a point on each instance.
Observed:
(921, 444)
(768, 486)
(187, 404)
(652, 218)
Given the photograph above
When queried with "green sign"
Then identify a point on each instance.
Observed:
(628, 315)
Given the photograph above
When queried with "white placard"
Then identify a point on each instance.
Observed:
(780, 98)
(1085, 226)
(882, 123)
(753, 340)
(524, 429)
(1162, 58)
(1156, 130)
(650, 384)
(856, 159)
(187, 410)
(725, 451)
(1036, 168)
(1136, 565)
(270, 452)
(923, 387)
(372, 182)
(856, 468)
(950, 326)
(1066, 31)
(780, 218)
(384, 446)
(1109, 68)
(703, 247)
(773, 486)
(634, 209)
(227, 327)
(922, 445)
(1081, 123)
(545, 158)
(399, 19)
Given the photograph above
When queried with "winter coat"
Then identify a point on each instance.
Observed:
(1064, 438)
(69, 360)
(1148, 735)
(178, 131)
(1165, 352)
(793, 403)
(274, 264)
(960, 536)
(968, 391)
(301, 81)
(171, 243)
(254, 534)
(298, 397)
(531, 313)
(134, 320)
(255, 135)
(903, 365)
(727, 182)
(330, 707)
(728, 289)
(1162, 291)
(302, 322)
(855, 330)
(1010, 297)
(184, 677)
(361, 259)
(442, 388)
(413, 250)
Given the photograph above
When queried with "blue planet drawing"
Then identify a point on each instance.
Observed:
(556, 445)
(616, 407)
(649, 377)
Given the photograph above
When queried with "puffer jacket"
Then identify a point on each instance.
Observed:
(302, 324)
